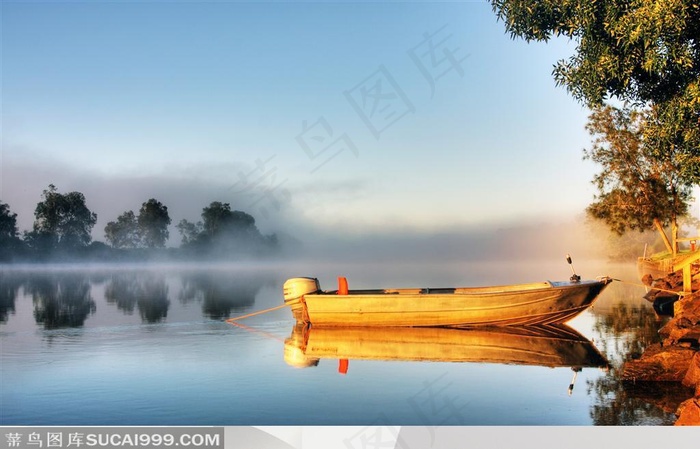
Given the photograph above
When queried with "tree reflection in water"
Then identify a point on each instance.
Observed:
(221, 293)
(10, 283)
(146, 291)
(624, 332)
(60, 299)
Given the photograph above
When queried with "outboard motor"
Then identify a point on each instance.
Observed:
(294, 289)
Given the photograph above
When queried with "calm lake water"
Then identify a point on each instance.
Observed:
(149, 345)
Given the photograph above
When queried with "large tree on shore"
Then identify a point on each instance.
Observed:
(645, 54)
(147, 229)
(9, 235)
(123, 233)
(153, 222)
(62, 221)
(224, 232)
(218, 219)
(8, 223)
(639, 186)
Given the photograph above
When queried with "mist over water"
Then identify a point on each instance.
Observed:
(185, 194)
(505, 255)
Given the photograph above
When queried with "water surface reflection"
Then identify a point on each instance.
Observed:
(9, 287)
(545, 345)
(221, 293)
(146, 291)
(153, 341)
(60, 300)
(624, 331)
(65, 298)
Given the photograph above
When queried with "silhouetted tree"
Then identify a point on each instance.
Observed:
(8, 223)
(153, 221)
(62, 221)
(224, 232)
(10, 243)
(189, 232)
(124, 233)
(215, 218)
(219, 221)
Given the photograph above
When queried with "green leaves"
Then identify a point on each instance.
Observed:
(646, 54)
(637, 51)
(640, 180)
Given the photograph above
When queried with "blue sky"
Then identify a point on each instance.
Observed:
(352, 117)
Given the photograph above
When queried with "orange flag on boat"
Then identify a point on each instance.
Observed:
(342, 286)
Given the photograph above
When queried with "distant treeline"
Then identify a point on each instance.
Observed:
(63, 224)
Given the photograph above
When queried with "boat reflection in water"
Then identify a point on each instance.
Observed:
(544, 345)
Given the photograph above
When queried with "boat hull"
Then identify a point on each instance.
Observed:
(515, 305)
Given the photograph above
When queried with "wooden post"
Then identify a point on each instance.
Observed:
(687, 280)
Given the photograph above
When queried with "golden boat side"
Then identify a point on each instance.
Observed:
(520, 304)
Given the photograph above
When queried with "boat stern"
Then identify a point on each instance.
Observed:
(294, 290)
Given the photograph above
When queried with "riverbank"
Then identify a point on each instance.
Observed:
(677, 358)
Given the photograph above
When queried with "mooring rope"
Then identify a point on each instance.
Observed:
(231, 320)
(260, 312)
(681, 293)
(257, 331)
(234, 321)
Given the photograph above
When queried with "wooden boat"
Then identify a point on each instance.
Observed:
(656, 268)
(523, 304)
(554, 345)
